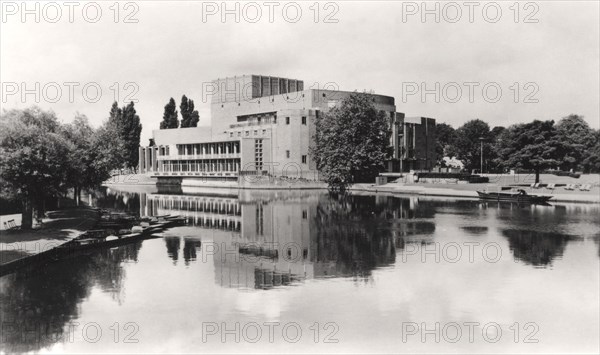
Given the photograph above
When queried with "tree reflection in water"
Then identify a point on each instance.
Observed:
(37, 305)
(173, 245)
(536, 248)
(190, 247)
(350, 237)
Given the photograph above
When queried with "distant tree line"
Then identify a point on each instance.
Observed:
(570, 144)
(41, 157)
(352, 144)
(189, 115)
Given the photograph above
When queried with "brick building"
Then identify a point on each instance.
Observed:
(264, 125)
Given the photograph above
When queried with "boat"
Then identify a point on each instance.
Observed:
(92, 240)
(519, 196)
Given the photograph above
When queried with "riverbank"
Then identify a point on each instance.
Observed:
(427, 189)
(470, 191)
(56, 229)
(248, 182)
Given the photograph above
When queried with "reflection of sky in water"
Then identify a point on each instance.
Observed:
(366, 263)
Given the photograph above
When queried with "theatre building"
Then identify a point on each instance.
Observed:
(264, 125)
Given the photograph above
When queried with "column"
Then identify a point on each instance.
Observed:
(147, 160)
(154, 159)
(141, 159)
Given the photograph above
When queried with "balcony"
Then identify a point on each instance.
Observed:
(200, 156)
(232, 174)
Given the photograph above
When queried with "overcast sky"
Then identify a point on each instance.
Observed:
(380, 46)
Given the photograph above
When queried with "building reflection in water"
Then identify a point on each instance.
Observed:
(270, 239)
(274, 239)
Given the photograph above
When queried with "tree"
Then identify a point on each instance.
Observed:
(79, 133)
(130, 131)
(467, 143)
(189, 116)
(32, 157)
(351, 142)
(115, 114)
(533, 146)
(592, 159)
(445, 135)
(107, 153)
(170, 116)
(126, 123)
(496, 132)
(491, 158)
(579, 139)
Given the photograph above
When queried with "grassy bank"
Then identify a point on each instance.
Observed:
(470, 190)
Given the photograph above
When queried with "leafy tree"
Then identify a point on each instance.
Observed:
(579, 139)
(445, 135)
(467, 144)
(32, 157)
(115, 114)
(107, 153)
(491, 158)
(591, 162)
(189, 116)
(497, 131)
(79, 133)
(126, 123)
(351, 142)
(130, 130)
(533, 146)
(93, 154)
(170, 116)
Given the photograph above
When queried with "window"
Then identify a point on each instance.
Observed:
(256, 132)
(287, 120)
(305, 214)
(304, 120)
(258, 155)
(304, 159)
(275, 119)
(287, 153)
(239, 133)
(247, 133)
(264, 132)
(230, 134)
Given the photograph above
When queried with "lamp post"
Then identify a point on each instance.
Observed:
(481, 165)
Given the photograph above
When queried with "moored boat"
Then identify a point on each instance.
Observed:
(519, 196)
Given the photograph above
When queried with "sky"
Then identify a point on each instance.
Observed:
(497, 61)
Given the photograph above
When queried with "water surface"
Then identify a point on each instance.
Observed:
(251, 270)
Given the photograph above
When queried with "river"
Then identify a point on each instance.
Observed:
(308, 272)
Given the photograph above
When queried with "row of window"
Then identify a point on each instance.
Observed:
(247, 133)
(205, 148)
(264, 131)
(258, 154)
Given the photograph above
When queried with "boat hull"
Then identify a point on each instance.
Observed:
(512, 197)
